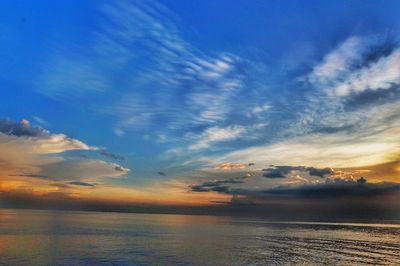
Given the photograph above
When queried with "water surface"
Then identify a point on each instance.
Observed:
(32, 237)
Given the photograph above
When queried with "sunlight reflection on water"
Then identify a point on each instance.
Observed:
(30, 237)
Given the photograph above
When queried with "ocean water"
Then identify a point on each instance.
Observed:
(32, 237)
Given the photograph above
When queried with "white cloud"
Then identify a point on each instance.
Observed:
(357, 65)
(52, 143)
(260, 108)
(216, 134)
(56, 143)
(338, 61)
(143, 39)
(340, 74)
(41, 156)
(381, 75)
(88, 170)
(40, 120)
(320, 150)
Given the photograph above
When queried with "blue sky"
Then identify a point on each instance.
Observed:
(183, 87)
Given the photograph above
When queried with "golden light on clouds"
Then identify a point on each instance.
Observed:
(230, 166)
(386, 172)
(36, 166)
(320, 150)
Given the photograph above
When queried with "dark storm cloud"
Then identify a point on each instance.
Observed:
(283, 171)
(330, 189)
(199, 188)
(81, 183)
(279, 171)
(21, 129)
(221, 189)
(321, 172)
(335, 189)
(111, 155)
(217, 186)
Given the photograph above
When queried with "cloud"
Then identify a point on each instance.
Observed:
(285, 171)
(301, 185)
(25, 154)
(323, 129)
(111, 155)
(366, 106)
(320, 172)
(21, 135)
(81, 183)
(337, 188)
(201, 100)
(120, 168)
(376, 173)
(40, 120)
(216, 134)
(336, 150)
(357, 65)
(280, 171)
(338, 61)
(382, 75)
(143, 39)
(331, 188)
(320, 129)
(216, 186)
(23, 128)
(168, 74)
(30, 175)
(230, 166)
(34, 157)
(260, 109)
(82, 170)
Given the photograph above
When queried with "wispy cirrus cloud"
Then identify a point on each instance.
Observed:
(337, 150)
(166, 78)
(335, 127)
(215, 134)
(352, 130)
(339, 61)
(213, 107)
(357, 65)
(141, 72)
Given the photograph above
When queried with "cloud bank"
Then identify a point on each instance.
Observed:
(32, 157)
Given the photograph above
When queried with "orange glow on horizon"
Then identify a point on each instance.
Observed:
(157, 194)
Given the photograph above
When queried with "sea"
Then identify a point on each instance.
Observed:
(42, 237)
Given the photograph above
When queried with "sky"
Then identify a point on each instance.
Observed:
(242, 106)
